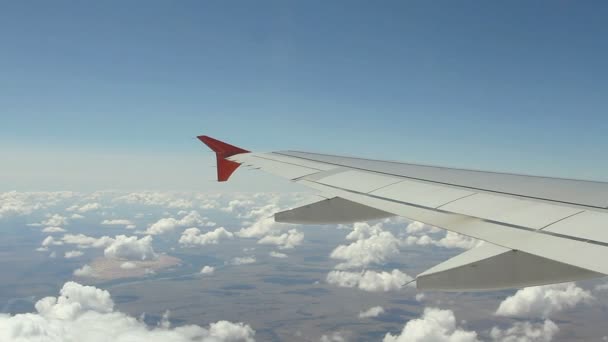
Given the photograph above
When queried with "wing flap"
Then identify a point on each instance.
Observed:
(491, 267)
(331, 211)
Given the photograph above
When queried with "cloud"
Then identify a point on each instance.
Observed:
(243, 260)
(85, 271)
(263, 227)
(85, 207)
(449, 240)
(285, 241)
(207, 270)
(435, 325)
(275, 254)
(371, 281)
(169, 224)
(372, 312)
(193, 236)
(334, 337)
(55, 220)
(87, 314)
(416, 227)
(84, 241)
(373, 246)
(526, 332)
(131, 248)
(53, 230)
(116, 222)
(128, 265)
(543, 301)
(50, 241)
(362, 230)
(72, 254)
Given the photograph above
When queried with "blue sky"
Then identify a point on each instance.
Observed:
(93, 95)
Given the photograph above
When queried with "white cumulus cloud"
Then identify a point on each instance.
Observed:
(207, 270)
(373, 247)
(116, 222)
(276, 254)
(87, 314)
(435, 325)
(243, 260)
(72, 254)
(165, 225)
(131, 248)
(371, 281)
(543, 301)
(372, 312)
(526, 332)
(193, 236)
(84, 271)
(53, 230)
(286, 240)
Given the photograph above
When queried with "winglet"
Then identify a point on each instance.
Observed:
(225, 167)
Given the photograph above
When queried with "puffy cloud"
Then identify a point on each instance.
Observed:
(543, 301)
(416, 227)
(165, 225)
(526, 332)
(84, 271)
(193, 236)
(435, 325)
(72, 254)
(84, 241)
(362, 230)
(334, 337)
(275, 254)
(50, 241)
(53, 230)
(450, 240)
(85, 207)
(372, 312)
(162, 226)
(237, 204)
(267, 230)
(87, 314)
(128, 265)
(207, 270)
(263, 227)
(55, 220)
(116, 222)
(286, 240)
(371, 281)
(131, 248)
(243, 260)
(373, 246)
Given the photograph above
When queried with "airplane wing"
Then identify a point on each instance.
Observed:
(537, 230)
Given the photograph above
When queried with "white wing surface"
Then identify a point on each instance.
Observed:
(540, 230)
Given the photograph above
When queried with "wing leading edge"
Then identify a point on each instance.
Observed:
(539, 230)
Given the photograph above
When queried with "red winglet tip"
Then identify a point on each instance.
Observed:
(222, 150)
(220, 146)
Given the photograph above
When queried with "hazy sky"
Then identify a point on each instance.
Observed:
(111, 94)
